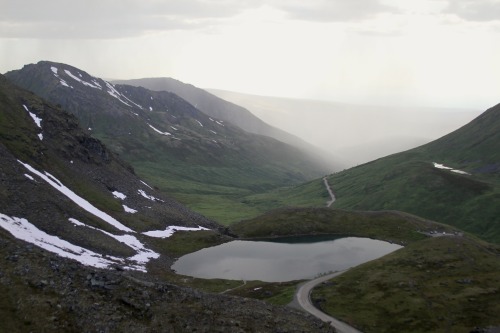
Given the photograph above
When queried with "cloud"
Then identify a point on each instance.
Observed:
(107, 19)
(475, 10)
(110, 18)
(334, 10)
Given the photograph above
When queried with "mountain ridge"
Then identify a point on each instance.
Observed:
(168, 141)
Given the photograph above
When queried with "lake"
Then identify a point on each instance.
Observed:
(282, 259)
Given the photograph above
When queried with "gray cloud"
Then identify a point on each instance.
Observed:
(109, 18)
(334, 10)
(475, 10)
(105, 19)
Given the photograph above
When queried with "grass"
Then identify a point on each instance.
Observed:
(442, 284)
(388, 225)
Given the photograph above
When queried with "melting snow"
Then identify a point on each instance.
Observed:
(146, 184)
(82, 81)
(129, 210)
(35, 118)
(441, 166)
(149, 197)
(169, 231)
(158, 131)
(143, 254)
(113, 92)
(199, 123)
(54, 182)
(119, 195)
(24, 230)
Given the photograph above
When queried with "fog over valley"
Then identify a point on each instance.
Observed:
(353, 134)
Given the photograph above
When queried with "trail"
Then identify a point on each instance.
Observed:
(302, 297)
(329, 189)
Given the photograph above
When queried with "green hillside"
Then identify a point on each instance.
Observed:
(468, 197)
(196, 158)
(411, 182)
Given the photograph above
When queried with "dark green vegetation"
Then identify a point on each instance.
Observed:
(386, 225)
(44, 292)
(446, 283)
(197, 159)
(441, 284)
(409, 181)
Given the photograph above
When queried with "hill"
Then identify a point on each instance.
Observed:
(442, 280)
(86, 245)
(453, 180)
(192, 156)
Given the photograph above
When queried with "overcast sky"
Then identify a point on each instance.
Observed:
(385, 52)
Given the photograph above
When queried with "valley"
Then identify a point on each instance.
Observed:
(91, 220)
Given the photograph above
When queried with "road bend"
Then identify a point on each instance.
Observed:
(303, 298)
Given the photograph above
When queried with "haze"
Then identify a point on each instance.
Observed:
(401, 54)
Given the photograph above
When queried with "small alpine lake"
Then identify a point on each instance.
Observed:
(281, 259)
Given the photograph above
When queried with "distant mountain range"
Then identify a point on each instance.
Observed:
(170, 142)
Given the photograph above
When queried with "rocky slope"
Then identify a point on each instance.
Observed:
(81, 247)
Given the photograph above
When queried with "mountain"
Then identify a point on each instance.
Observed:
(86, 245)
(216, 107)
(355, 133)
(453, 180)
(195, 157)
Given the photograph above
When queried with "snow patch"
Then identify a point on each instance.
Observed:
(24, 230)
(113, 92)
(150, 108)
(34, 117)
(149, 197)
(219, 122)
(146, 184)
(199, 122)
(213, 132)
(172, 127)
(169, 231)
(76, 78)
(129, 210)
(29, 176)
(54, 70)
(158, 131)
(40, 136)
(119, 195)
(55, 183)
(441, 166)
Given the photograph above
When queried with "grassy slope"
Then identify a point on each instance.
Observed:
(442, 284)
(409, 181)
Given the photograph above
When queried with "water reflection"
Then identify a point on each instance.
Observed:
(282, 260)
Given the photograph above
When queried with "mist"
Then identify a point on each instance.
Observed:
(354, 134)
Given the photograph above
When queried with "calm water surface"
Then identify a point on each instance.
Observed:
(281, 260)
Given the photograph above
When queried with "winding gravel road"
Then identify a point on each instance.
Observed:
(329, 189)
(302, 297)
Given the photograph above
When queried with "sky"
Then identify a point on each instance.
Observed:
(439, 53)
